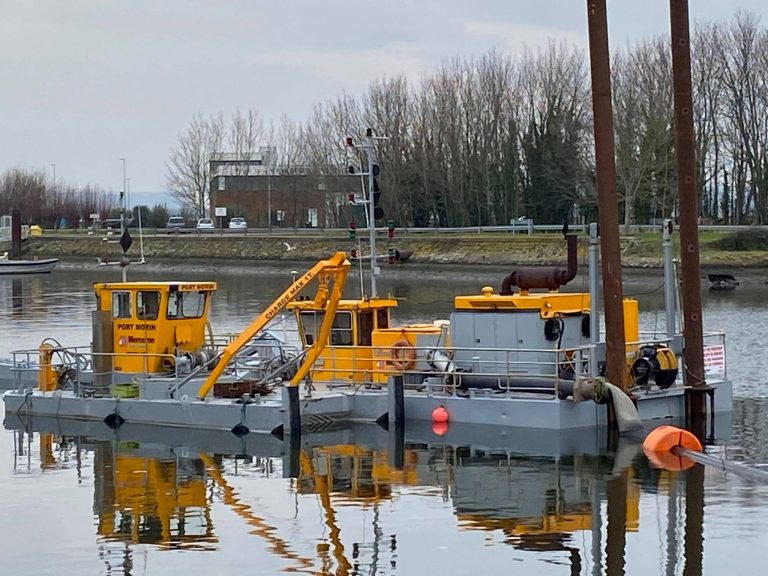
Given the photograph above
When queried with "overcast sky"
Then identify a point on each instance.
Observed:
(86, 82)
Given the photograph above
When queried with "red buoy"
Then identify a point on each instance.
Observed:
(440, 414)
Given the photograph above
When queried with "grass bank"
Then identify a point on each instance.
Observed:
(642, 250)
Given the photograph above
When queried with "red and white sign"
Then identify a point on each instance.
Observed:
(714, 360)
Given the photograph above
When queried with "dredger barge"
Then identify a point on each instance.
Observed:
(530, 358)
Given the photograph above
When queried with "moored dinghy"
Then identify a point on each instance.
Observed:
(41, 266)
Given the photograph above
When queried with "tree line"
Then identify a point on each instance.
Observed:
(481, 141)
(61, 205)
(48, 205)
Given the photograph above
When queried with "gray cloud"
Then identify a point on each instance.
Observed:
(90, 81)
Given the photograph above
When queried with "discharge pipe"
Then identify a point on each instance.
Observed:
(543, 278)
(673, 448)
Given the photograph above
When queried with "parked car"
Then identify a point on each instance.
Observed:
(112, 223)
(238, 223)
(205, 224)
(175, 223)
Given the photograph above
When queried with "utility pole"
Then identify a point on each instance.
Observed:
(373, 169)
(122, 200)
(369, 152)
(53, 165)
(269, 188)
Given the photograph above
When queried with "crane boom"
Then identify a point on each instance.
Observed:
(335, 268)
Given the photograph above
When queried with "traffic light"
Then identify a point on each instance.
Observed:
(352, 230)
(378, 212)
(353, 254)
(390, 229)
(392, 254)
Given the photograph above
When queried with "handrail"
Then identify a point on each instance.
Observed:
(372, 364)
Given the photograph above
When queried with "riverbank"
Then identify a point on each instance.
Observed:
(641, 251)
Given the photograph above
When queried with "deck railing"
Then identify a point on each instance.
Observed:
(434, 369)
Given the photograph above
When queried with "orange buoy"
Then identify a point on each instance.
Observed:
(439, 428)
(659, 444)
(440, 414)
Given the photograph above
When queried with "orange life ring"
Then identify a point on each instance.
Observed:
(402, 356)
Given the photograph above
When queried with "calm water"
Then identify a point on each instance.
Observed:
(80, 499)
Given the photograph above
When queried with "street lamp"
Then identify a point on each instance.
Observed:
(122, 201)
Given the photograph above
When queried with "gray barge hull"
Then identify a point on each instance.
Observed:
(328, 409)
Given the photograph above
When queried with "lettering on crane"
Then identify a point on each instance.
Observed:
(277, 305)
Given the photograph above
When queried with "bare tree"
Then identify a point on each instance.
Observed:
(188, 169)
(555, 131)
(643, 126)
(245, 137)
(745, 80)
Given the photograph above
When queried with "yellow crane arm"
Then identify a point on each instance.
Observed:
(325, 328)
(337, 265)
(260, 526)
(322, 487)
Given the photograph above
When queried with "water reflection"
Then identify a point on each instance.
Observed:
(364, 501)
(559, 499)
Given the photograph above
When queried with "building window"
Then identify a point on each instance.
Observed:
(221, 183)
(312, 219)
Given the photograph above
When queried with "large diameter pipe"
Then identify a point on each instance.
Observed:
(594, 299)
(546, 278)
(670, 300)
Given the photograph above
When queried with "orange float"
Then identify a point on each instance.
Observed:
(659, 447)
(402, 357)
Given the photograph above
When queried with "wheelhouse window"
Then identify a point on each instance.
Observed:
(185, 305)
(365, 327)
(310, 325)
(121, 304)
(382, 318)
(341, 330)
(147, 305)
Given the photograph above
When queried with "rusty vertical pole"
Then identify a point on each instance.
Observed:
(694, 521)
(693, 335)
(616, 531)
(15, 234)
(606, 193)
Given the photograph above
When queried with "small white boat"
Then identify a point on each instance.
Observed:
(41, 266)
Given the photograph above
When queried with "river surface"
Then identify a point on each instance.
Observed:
(82, 499)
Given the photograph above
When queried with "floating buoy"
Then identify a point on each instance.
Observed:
(659, 446)
(440, 428)
(440, 414)
(676, 450)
